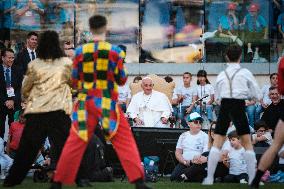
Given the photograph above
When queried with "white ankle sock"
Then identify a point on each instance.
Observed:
(250, 159)
(213, 158)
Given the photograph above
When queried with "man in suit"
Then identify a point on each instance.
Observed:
(10, 89)
(27, 54)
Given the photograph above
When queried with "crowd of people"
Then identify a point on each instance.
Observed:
(39, 81)
(175, 24)
(202, 98)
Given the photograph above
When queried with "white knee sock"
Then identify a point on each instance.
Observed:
(250, 159)
(213, 158)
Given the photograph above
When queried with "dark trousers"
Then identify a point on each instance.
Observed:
(178, 171)
(235, 178)
(4, 111)
(88, 160)
(197, 172)
(232, 110)
(54, 125)
(261, 144)
(93, 166)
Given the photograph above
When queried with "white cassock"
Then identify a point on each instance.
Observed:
(150, 108)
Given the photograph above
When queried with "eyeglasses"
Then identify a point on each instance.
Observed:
(196, 121)
(260, 131)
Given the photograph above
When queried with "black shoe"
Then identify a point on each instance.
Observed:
(55, 185)
(6, 183)
(83, 183)
(254, 184)
(141, 185)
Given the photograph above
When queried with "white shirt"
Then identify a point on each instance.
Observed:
(202, 91)
(267, 135)
(30, 53)
(244, 85)
(226, 146)
(265, 94)
(192, 145)
(237, 162)
(150, 108)
(124, 93)
(175, 96)
(188, 93)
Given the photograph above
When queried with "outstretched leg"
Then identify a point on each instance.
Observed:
(268, 157)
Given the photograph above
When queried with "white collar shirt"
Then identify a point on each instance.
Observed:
(244, 85)
(30, 53)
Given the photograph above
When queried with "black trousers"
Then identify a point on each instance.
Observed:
(54, 125)
(197, 172)
(4, 111)
(232, 110)
(93, 166)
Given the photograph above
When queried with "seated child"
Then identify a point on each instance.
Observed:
(235, 161)
(262, 137)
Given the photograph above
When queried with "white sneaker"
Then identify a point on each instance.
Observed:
(243, 181)
(207, 181)
(184, 177)
(2, 176)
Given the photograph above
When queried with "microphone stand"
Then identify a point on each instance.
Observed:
(203, 112)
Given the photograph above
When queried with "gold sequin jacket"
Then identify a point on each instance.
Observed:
(46, 86)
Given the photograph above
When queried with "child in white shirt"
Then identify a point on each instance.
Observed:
(235, 161)
(234, 85)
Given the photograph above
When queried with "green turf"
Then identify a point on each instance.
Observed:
(162, 184)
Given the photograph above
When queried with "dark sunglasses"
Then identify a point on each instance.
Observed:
(196, 121)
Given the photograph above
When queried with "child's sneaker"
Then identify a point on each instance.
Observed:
(243, 181)
(207, 181)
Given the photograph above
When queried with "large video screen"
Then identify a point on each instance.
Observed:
(156, 31)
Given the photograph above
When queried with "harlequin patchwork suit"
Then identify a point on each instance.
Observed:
(97, 71)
